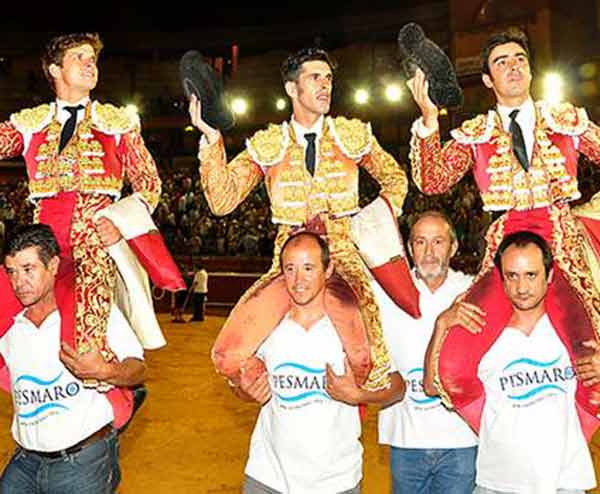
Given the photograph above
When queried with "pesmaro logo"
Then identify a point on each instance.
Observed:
(34, 396)
(293, 382)
(414, 385)
(524, 379)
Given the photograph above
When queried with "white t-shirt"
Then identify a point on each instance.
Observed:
(304, 442)
(530, 439)
(419, 421)
(201, 281)
(52, 409)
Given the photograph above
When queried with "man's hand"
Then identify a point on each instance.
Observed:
(90, 365)
(419, 88)
(469, 316)
(107, 231)
(195, 109)
(588, 368)
(258, 390)
(342, 388)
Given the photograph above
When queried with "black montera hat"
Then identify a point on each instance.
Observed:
(416, 50)
(199, 78)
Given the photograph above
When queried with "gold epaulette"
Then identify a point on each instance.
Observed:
(564, 118)
(476, 130)
(33, 120)
(267, 147)
(351, 135)
(109, 119)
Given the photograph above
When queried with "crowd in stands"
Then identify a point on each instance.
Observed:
(14, 207)
(190, 228)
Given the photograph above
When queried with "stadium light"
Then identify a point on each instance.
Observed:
(553, 87)
(393, 93)
(361, 96)
(280, 104)
(239, 106)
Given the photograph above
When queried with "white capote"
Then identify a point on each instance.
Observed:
(132, 290)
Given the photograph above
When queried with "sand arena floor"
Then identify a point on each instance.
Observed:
(192, 434)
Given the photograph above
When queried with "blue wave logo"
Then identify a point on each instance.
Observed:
(39, 382)
(532, 362)
(537, 377)
(42, 409)
(536, 391)
(302, 396)
(41, 393)
(425, 401)
(303, 368)
(419, 401)
(293, 382)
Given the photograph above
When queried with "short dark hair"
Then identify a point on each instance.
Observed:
(325, 255)
(55, 49)
(35, 235)
(292, 65)
(522, 239)
(511, 35)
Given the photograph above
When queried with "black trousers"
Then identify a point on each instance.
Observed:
(198, 302)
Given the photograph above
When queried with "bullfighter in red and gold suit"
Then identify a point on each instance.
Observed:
(78, 153)
(310, 167)
(523, 156)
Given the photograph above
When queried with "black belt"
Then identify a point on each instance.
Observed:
(76, 448)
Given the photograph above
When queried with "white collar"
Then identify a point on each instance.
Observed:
(62, 103)
(21, 318)
(422, 286)
(543, 321)
(526, 114)
(316, 324)
(300, 130)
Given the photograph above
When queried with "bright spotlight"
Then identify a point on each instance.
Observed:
(280, 104)
(553, 87)
(239, 106)
(189, 128)
(361, 96)
(393, 93)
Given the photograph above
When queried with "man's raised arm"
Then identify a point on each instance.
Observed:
(225, 185)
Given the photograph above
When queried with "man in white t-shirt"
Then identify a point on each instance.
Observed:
(200, 287)
(432, 449)
(530, 438)
(307, 436)
(64, 433)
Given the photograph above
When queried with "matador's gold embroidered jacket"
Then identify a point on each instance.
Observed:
(106, 146)
(297, 197)
(561, 132)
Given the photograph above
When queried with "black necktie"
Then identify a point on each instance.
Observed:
(69, 127)
(311, 152)
(518, 143)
